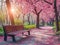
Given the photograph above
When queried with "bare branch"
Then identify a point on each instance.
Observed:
(47, 2)
(37, 1)
(40, 11)
(29, 1)
(35, 10)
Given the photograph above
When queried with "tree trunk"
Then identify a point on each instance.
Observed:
(29, 19)
(37, 21)
(9, 12)
(23, 19)
(56, 15)
(32, 22)
(43, 23)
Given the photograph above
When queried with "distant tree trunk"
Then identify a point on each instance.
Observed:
(43, 23)
(29, 19)
(23, 19)
(37, 21)
(56, 15)
(52, 22)
(9, 12)
(32, 20)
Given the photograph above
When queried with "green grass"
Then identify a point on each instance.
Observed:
(27, 26)
(54, 27)
(58, 33)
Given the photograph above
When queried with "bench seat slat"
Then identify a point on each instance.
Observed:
(13, 28)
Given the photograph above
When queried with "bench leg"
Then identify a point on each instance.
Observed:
(28, 32)
(5, 37)
(13, 38)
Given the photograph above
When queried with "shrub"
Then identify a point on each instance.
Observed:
(18, 22)
(29, 26)
(26, 23)
(1, 31)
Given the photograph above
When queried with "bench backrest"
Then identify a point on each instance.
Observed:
(12, 28)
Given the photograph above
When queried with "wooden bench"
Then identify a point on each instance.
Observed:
(13, 30)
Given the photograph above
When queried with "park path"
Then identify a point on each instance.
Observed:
(42, 36)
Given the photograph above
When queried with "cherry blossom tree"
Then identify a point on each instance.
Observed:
(39, 8)
(43, 9)
(55, 4)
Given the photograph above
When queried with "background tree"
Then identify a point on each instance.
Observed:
(49, 8)
(32, 6)
(56, 12)
(28, 16)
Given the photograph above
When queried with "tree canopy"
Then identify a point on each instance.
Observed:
(37, 6)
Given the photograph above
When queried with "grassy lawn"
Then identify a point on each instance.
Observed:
(27, 26)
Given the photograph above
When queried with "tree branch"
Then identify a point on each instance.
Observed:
(40, 11)
(37, 1)
(47, 2)
(35, 10)
(29, 1)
